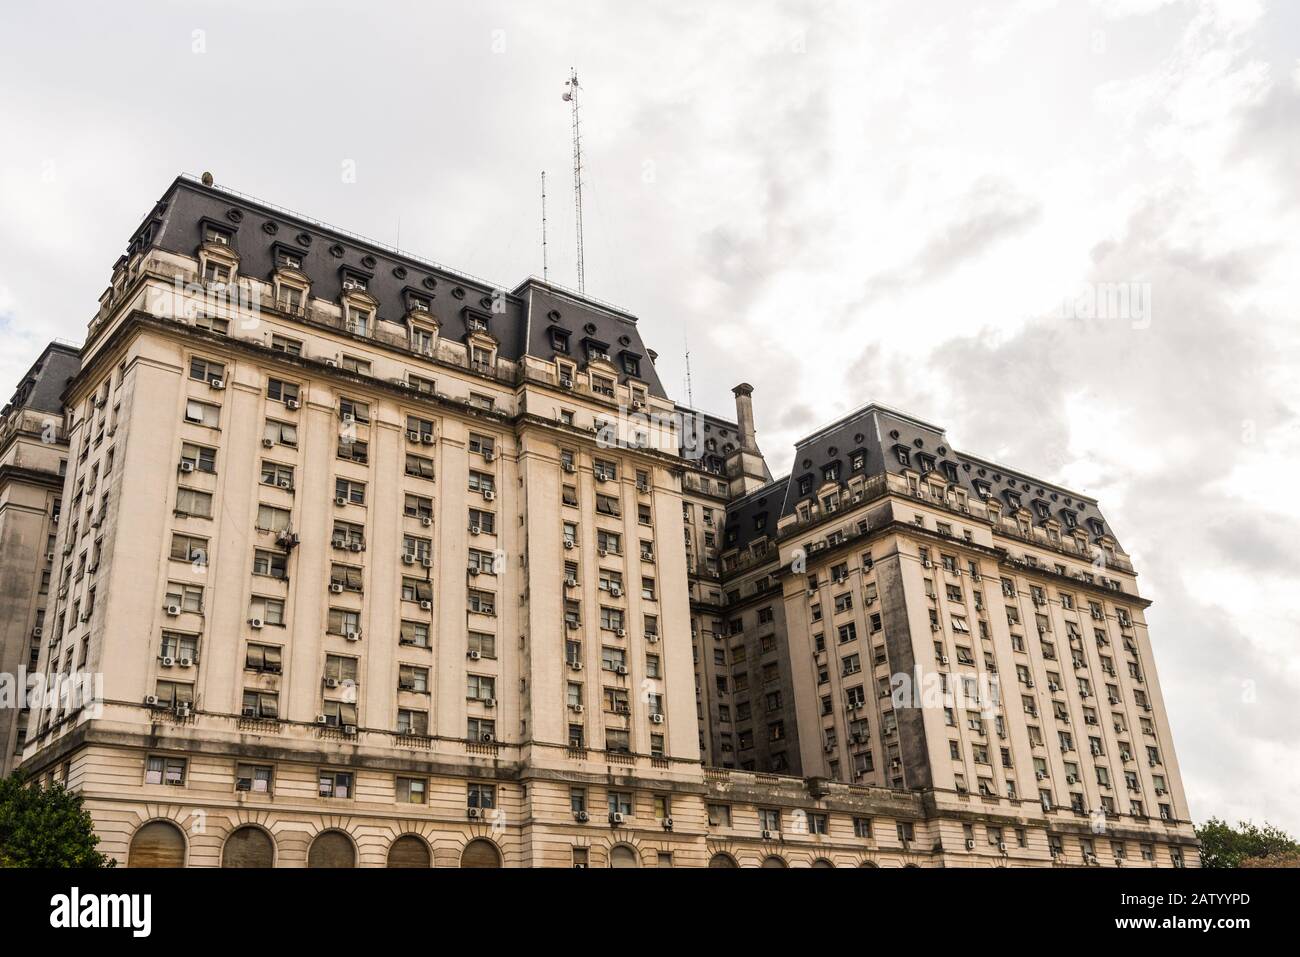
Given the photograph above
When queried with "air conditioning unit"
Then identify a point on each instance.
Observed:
(331, 682)
(829, 749)
(475, 814)
(185, 662)
(621, 670)
(621, 632)
(426, 605)
(474, 530)
(336, 588)
(408, 559)
(322, 719)
(355, 547)
(187, 467)
(255, 622)
(473, 570)
(249, 712)
(569, 543)
(577, 708)
(268, 443)
(173, 610)
(182, 711)
(38, 631)
(1071, 779)
(168, 661)
(488, 495)
(340, 500)
(489, 702)
(426, 562)
(582, 817)
(1125, 756)
(615, 817)
(1041, 775)
(1053, 686)
(652, 637)
(1002, 846)
(575, 665)
(353, 636)
(151, 700)
(350, 729)
(970, 843)
(656, 719)
(488, 455)
(426, 521)
(486, 736)
(571, 583)
(769, 835)
(616, 591)
(291, 403)
(426, 438)
(474, 655)
(943, 659)
(572, 624)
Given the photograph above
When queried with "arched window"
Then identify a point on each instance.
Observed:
(408, 851)
(480, 853)
(332, 849)
(157, 844)
(722, 860)
(822, 863)
(623, 856)
(868, 864)
(773, 861)
(248, 847)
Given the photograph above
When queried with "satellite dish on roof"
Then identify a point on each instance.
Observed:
(207, 178)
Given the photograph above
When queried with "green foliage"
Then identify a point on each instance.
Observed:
(1223, 845)
(45, 827)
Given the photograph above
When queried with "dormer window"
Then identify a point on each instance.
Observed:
(858, 462)
(831, 473)
(215, 272)
(481, 359)
(925, 463)
(289, 298)
(215, 234)
(416, 303)
(1013, 501)
(950, 471)
(560, 341)
(632, 365)
(354, 283)
(602, 386)
(1043, 509)
(359, 320)
(596, 351)
(286, 259)
(1069, 518)
(1097, 528)
(983, 489)
(904, 456)
(422, 340)
(805, 485)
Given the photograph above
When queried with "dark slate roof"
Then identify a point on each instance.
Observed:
(880, 432)
(755, 515)
(706, 438)
(518, 319)
(41, 389)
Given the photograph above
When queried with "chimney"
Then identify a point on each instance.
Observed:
(746, 469)
(745, 416)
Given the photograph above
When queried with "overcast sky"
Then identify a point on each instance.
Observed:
(901, 202)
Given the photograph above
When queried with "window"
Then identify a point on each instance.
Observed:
(206, 370)
(414, 634)
(292, 347)
(202, 413)
(412, 790)
(263, 658)
(413, 678)
(482, 796)
(483, 643)
(272, 519)
(162, 770)
(280, 433)
(189, 548)
(200, 457)
(261, 704)
(418, 466)
(769, 819)
(270, 564)
(485, 522)
(412, 722)
(480, 687)
(335, 784)
(254, 777)
(482, 602)
(862, 827)
(193, 503)
(188, 598)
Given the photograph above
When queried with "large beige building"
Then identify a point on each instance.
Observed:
(380, 564)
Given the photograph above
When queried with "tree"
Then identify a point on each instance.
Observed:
(1245, 845)
(45, 827)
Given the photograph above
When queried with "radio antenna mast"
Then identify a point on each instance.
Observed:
(571, 97)
(690, 395)
(545, 267)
